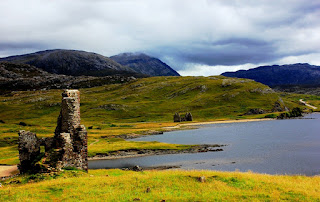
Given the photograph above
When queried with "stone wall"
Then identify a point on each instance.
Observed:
(178, 118)
(68, 147)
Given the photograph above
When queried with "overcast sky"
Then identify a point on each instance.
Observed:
(195, 37)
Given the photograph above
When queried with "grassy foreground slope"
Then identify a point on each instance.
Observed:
(134, 107)
(170, 185)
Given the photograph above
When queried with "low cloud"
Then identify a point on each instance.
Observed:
(209, 34)
(193, 69)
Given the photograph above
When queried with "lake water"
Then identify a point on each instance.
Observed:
(273, 147)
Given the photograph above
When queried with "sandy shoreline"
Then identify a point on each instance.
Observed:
(216, 122)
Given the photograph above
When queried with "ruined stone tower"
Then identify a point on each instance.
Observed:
(68, 147)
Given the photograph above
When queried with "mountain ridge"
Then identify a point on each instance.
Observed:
(281, 75)
(73, 62)
(145, 64)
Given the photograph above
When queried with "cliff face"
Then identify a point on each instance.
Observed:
(294, 74)
(144, 64)
(72, 62)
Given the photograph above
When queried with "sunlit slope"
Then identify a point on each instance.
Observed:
(157, 99)
(149, 99)
(174, 185)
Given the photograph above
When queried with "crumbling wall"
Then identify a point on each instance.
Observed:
(68, 147)
(178, 118)
(29, 150)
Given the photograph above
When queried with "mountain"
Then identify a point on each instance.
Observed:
(73, 62)
(286, 76)
(145, 64)
(15, 77)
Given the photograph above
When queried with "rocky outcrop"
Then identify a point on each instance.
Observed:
(68, 147)
(148, 152)
(15, 77)
(295, 112)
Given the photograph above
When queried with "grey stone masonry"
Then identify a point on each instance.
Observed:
(178, 118)
(68, 147)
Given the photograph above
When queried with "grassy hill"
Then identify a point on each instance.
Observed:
(136, 107)
(171, 185)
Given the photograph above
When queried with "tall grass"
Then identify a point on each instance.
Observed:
(170, 185)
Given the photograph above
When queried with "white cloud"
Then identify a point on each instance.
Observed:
(313, 59)
(209, 34)
(206, 70)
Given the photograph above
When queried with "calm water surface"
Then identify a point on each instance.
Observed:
(273, 147)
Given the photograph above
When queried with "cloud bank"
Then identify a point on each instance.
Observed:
(202, 37)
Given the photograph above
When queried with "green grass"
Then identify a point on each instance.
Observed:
(136, 107)
(169, 185)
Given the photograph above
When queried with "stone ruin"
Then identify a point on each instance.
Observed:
(68, 147)
(178, 118)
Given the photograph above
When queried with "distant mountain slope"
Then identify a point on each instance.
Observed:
(15, 77)
(152, 99)
(284, 75)
(72, 62)
(145, 64)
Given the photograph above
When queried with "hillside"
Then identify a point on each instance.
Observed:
(300, 74)
(137, 107)
(72, 62)
(144, 64)
(154, 99)
(15, 77)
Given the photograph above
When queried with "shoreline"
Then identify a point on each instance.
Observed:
(217, 122)
(131, 153)
(8, 170)
(145, 152)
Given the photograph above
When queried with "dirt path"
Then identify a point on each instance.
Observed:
(306, 104)
(96, 141)
(8, 170)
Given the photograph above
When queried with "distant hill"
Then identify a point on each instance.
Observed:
(73, 62)
(286, 76)
(152, 99)
(145, 64)
(15, 77)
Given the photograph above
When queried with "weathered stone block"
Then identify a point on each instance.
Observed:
(29, 150)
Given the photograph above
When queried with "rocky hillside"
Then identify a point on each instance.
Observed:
(144, 64)
(26, 77)
(72, 62)
(301, 74)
